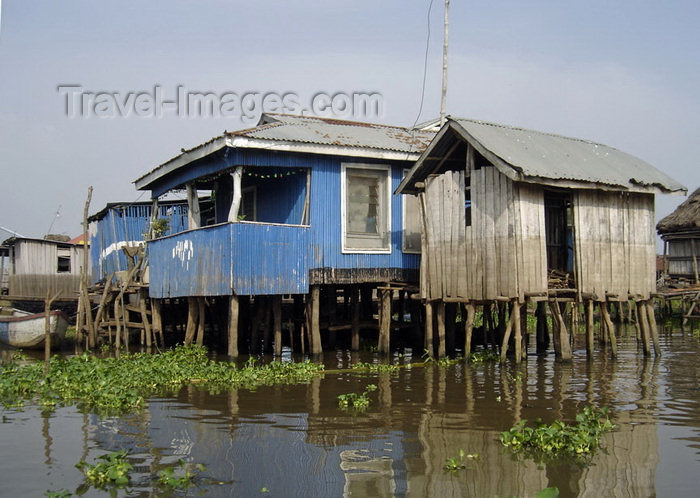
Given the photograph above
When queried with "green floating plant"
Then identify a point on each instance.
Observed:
(453, 464)
(545, 441)
(357, 402)
(180, 476)
(110, 470)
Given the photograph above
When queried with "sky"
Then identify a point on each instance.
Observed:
(623, 73)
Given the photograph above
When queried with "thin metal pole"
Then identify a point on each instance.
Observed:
(443, 101)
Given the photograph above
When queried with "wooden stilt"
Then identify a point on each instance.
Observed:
(563, 336)
(267, 323)
(506, 337)
(644, 326)
(316, 347)
(441, 328)
(450, 324)
(144, 317)
(428, 344)
(277, 323)
(589, 329)
(385, 296)
(192, 315)
(157, 319)
(542, 334)
(233, 311)
(469, 327)
(518, 331)
(653, 328)
(118, 326)
(355, 310)
(605, 317)
(201, 314)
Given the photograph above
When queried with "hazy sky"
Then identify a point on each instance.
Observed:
(624, 73)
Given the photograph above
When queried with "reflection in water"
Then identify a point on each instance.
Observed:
(294, 441)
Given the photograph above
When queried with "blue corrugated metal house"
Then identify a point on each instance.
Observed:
(299, 202)
(122, 224)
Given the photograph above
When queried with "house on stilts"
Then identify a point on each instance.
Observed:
(680, 232)
(513, 216)
(303, 208)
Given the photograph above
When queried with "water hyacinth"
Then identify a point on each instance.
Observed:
(115, 385)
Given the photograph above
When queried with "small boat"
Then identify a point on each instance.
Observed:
(27, 330)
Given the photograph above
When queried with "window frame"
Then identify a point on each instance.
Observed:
(386, 213)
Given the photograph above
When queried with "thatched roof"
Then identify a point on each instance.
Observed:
(685, 217)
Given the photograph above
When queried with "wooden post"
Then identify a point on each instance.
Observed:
(589, 329)
(144, 317)
(84, 274)
(441, 328)
(236, 197)
(47, 329)
(605, 317)
(450, 325)
(192, 316)
(469, 327)
(563, 336)
(277, 323)
(653, 328)
(193, 217)
(428, 343)
(542, 334)
(157, 320)
(518, 331)
(233, 309)
(103, 301)
(506, 336)
(355, 334)
(201, 315)
(644, 326)
(385, 296)
(316, 346)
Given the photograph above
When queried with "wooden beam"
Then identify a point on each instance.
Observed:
(589, 329)
(277, 323)
(428, 340)
(605, 316)
(468, 329)
(233, 314)
(653, 328)
(385, 296)
(316, 346)
(441, 328)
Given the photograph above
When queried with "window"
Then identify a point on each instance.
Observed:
(467, 201)
(411, 223)
(366, 209)
(63, 265)
(249, 200)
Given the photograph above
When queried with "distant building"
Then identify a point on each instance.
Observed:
(680, 232)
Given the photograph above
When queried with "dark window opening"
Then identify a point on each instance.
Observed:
(63, 264)
(467, 202)
(558, 219)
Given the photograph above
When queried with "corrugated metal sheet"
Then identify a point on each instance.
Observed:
(546, 155)
(191, 263)
(119, 225)
(322, 131)
(270, 259)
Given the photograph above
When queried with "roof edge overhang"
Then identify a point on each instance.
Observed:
(239, 142)
(420, 171)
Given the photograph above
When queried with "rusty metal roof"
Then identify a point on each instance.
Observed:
(307, 134)
(532, 156)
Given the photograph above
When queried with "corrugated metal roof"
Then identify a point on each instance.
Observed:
(324, 131)
(534, 156)
(301, 131)
(545, 155)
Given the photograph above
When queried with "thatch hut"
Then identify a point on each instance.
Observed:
(513, 215)
(680, 232)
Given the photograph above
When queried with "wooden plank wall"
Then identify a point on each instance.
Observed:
(502, 253)
(614, 243)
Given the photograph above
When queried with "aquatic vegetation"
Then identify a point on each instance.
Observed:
(441, 362)
(453, 464)
(482, 356)
(546, 441)
(117, 385)
(64, 493)
(552, 492)
(375, 367)
(180, 476)
(111, 469)
(358, 402)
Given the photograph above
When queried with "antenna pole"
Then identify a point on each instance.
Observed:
(443, 101)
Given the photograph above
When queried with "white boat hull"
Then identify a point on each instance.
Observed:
(28, 331)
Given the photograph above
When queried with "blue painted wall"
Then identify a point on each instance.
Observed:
(122, 224)
(272, 259)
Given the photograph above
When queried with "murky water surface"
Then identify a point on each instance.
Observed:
(294, 441)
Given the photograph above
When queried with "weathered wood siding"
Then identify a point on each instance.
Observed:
(680, 256)
(614, 243)
(35, 270)
(502, 253)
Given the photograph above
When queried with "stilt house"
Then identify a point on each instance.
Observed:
(299, 203)
(511, 214)
(680, 232)
(37, 266)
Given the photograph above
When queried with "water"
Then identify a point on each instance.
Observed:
(294, 441)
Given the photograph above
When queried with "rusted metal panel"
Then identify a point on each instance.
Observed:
(270, 258)
(191, 263)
